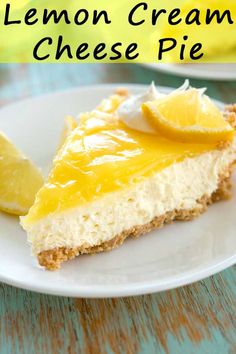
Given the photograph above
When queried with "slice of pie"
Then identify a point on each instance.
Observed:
(131, 166)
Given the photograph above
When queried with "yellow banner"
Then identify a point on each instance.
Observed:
(89, 31)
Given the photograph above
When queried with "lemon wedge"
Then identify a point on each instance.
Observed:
(188, 116)
(19, 179)
(70, 124)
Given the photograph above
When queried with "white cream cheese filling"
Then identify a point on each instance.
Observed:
(176, 187)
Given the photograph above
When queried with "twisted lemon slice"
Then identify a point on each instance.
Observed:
(20, 179)
(188, 116)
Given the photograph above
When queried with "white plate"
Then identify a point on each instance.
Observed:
(176, 255)
(200, 71)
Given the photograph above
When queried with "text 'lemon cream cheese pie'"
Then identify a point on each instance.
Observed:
(133, 164)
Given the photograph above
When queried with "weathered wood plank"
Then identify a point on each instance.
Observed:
(198, 318)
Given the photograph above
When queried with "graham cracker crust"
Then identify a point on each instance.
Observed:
(230, 114)
(52, 259)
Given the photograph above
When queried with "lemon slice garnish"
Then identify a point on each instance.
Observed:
(19, 179)
(188, 116)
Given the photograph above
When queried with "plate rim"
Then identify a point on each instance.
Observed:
(137, 288)
(183, 72)
(112, 85)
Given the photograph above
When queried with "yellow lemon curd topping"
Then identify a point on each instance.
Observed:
(70, 124)
(103, 155)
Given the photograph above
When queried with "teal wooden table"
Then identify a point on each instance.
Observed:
(195, 319)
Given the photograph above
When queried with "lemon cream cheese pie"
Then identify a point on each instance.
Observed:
(130, 166)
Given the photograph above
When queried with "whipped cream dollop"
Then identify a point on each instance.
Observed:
(130, 111)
